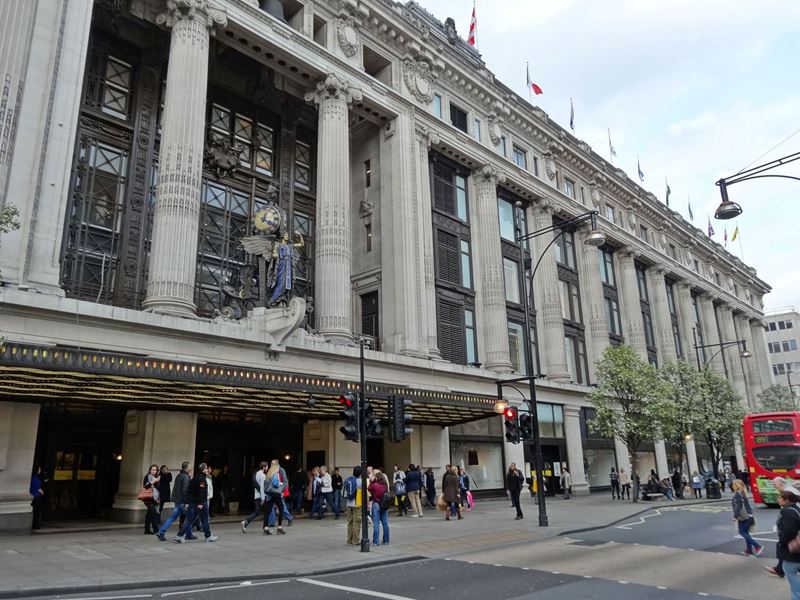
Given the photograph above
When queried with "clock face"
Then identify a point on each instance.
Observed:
(267, 220)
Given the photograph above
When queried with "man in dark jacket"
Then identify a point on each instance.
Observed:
(196, 503)
(179, 491)
(514, 482)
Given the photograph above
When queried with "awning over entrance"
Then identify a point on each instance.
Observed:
(62, 374)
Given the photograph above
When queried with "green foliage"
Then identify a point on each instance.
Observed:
(681, 385)
(777, 398)
(9, 218)
(719, 412)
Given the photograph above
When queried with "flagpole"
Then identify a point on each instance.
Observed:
(739, 235)
(477, 45)
(528, 81)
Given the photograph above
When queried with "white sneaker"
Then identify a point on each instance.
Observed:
(212, 538)
(179, 539)
(244, 526)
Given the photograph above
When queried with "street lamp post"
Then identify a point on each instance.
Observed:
(744, 353)
(730, 210)
(595, 238)
(362, 440)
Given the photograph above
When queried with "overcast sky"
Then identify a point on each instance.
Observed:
(698, 90)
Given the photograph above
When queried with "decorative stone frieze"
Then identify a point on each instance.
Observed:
(419, 78)
(348, 36)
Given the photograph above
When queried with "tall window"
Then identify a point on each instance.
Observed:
(675, 320)
(502, 146)
(571, 306)
(698, 325)
(437, 106)
(511, 272)
(610, 294)
(369, 318)
(519, 157)
(456, 329)
(453, 259)
(256, 141)
(516, 347)
(576, 359)
(607, 267)
(458, 117)
(569, 187)
(450, 191)
(647, 316)
(565, 249)
(476, 128)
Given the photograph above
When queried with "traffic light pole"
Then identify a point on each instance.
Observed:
(362, 440)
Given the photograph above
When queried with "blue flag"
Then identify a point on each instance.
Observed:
(638, 168)
(571, 116)
(691, 214)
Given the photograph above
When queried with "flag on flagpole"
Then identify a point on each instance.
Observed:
(735, 234)
(691, 214)
(571, 116)
(472, 39)
(669, 191)
(638, 168)
(611, 152)
(710, 228)
(532, 86)
(725, 236)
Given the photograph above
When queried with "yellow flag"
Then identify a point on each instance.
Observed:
(735, 234)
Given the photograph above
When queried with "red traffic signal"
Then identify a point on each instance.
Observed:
(347, 399)
(510, 412)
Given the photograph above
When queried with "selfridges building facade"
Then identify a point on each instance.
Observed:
(364, 149)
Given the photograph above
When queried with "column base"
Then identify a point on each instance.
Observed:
(499, 367)
(563, 377)
(170, 306)
(580, 489)
(16, 516)
(126, 510)
(338, 336)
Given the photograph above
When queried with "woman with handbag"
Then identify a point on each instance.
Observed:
(150, 496)
(788, 548)
(379, 491)
(743, 515)
(452, 492)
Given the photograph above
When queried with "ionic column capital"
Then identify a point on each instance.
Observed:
(491, 174)
(427, 135)
(333, 88)
(544, 205)
(179, 10)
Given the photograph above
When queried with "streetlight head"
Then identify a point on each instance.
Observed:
(595, 238)
(745, 354)
(727, 210)
(500, 406)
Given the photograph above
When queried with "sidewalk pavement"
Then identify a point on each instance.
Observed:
(121, 557)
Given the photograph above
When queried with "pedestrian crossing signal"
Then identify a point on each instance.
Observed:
(350, 416)
(512, 425)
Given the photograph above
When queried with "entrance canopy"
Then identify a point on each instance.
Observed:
(56, 373)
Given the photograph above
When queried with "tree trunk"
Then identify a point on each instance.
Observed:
(635, 474)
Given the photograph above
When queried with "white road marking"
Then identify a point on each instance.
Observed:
(223, 587)
(702, 593)
(661, 587)
(623, 582)
(556, 572)
(354, 590)
(641, 520)
(113, 597)
(526, 568)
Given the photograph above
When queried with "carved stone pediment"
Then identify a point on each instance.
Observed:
(418, 77)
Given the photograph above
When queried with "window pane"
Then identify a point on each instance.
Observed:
(506, 212)
(516, 346)
(466, 273)
(461, 198)
(469, 331)
(511, 274)
(437, 105)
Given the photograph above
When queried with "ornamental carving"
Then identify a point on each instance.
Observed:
(178, 10)
(594, 193)
(348, 36)
(333, 88)
(489, 172)
(418, 77)
(221, 155)
(450, 30)
(550, 165)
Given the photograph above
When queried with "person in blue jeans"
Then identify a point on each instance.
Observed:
(337, 484)
(179, 497)
(788, 530)
(742, 514)
(380, 507)
(287, 514)
(197, 500)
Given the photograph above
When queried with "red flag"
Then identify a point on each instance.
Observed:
(473, 26)
(536, 89)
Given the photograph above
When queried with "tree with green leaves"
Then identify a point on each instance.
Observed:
(777, 398)
(9, 218)
(681, 386)
(720, 413)
(628, 401)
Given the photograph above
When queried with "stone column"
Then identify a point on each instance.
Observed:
(691, 457)
(591, 288)
(572, 431)
(752, 374)
(734, 361)
(632, 323)
(151, 437)
(173, 259)
(487, 257)
(18, 425)
(333, 293)
(760, 354)
(683, 297)
(547, 297)
(662, 466)
(711, 333)
(430, 337)
(659, 309)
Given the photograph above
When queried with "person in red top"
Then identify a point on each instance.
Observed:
(378, 489)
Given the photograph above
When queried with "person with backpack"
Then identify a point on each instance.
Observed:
(697, 485)
(413, 486)
(380, 507)
(275, 481)
(258, 492)
(614, 477)
(353, 498)
(399, 484)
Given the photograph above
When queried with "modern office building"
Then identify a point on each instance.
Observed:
(139, 140)
(783, 331)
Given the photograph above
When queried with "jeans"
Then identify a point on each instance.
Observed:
(316, 504)
(258, 510)
(615, 490)
(744, 531)
(152, 520)
(194, 512)
(178, 511)
(297, 499)
(337, 501)
(286, 513)
(515, 501)
(329, 502)
(668, 493)
(379, 518)
(792, 575)
(274, 500)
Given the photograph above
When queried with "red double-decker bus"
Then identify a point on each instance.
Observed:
(772, 449)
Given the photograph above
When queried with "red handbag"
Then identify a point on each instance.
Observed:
(145, 494)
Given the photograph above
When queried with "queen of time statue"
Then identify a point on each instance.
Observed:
(282, 267)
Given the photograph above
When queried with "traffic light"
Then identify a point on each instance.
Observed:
(374, 427)
(399, 418)
(512, 425)
(349, 402)
(526, 426)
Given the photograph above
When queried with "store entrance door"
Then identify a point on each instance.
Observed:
(551, 460)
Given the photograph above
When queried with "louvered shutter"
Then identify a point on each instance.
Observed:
(451, 332)
(369, 316)
(444, 189)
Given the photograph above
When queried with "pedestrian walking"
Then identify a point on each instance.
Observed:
(413, 487)
(697, 485)
(379, 490)
(37, 497)
(298, 482)
(463, 483)
(326, 491)
(179, 496)
(165, 479)
(354, 498)
(514, 482)
(614, 478)
(399, 486)
(677, 484)
(624, 483)
(430, 487)
(275, 481)
(258, 494)
(566, 483)
(452, 493)
(743, 515)
(197, 499)
(152, 520)
(781, 485)
(210, 483)
(316, 493)
(788, 548)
